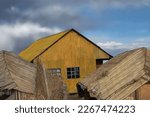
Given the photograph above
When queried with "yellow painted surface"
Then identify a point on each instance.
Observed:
(39, 46)
(73, 51)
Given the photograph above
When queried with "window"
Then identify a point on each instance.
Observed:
(73, 72)
(99, 62)
(55, 72)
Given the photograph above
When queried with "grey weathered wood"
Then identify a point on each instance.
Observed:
(15, 73)
(121, 76)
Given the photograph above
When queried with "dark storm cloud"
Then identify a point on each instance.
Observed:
(52, 15)
(62, 13)
(12, 10)
(34, 19)
(23, 21)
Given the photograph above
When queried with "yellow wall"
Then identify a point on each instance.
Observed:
(72, 51)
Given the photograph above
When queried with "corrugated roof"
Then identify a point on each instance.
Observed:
(16, 73)
(119, 77)
(40, 45)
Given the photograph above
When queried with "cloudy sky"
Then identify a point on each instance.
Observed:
(115, 25)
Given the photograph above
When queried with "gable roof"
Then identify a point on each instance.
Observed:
(16, 73)
(36, 48)
(119, 77)
(41, 45)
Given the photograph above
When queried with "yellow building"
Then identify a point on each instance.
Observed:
(68, 54)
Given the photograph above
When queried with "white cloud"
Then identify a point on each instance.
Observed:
(119, 3)
(114, 45)
(110, 45)
(10, 33)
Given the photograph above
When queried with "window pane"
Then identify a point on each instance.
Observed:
(68, 73)
(68, 69)
(58, 74)
(73, 72)
(77, 72)
(76, 68)
(73, 76)
(55, 72)
(77, 76)
(69, 76)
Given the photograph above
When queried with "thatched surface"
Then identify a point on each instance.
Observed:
(15, 73)
(25, 96)
(42, 91)
(119, 77)
(47, 86)
(57, 88)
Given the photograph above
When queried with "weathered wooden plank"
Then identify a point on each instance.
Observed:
(111, 80)
(24, 85)
(115, 84)
(128, 90)
(48, 86)
(130, 97)
(125, 78)
(16, 73)
(107, 67)
(42, 89)
(9, 86)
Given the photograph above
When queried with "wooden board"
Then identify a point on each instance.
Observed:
(121, 76)
(15, 73)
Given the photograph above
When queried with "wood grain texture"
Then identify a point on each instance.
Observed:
(66, 49)
(73, 51)
(120, 77)
(15, 73)
(47, 86)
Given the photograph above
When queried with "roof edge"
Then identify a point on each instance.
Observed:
(110, 56)
(43, 38)
(67, 31)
